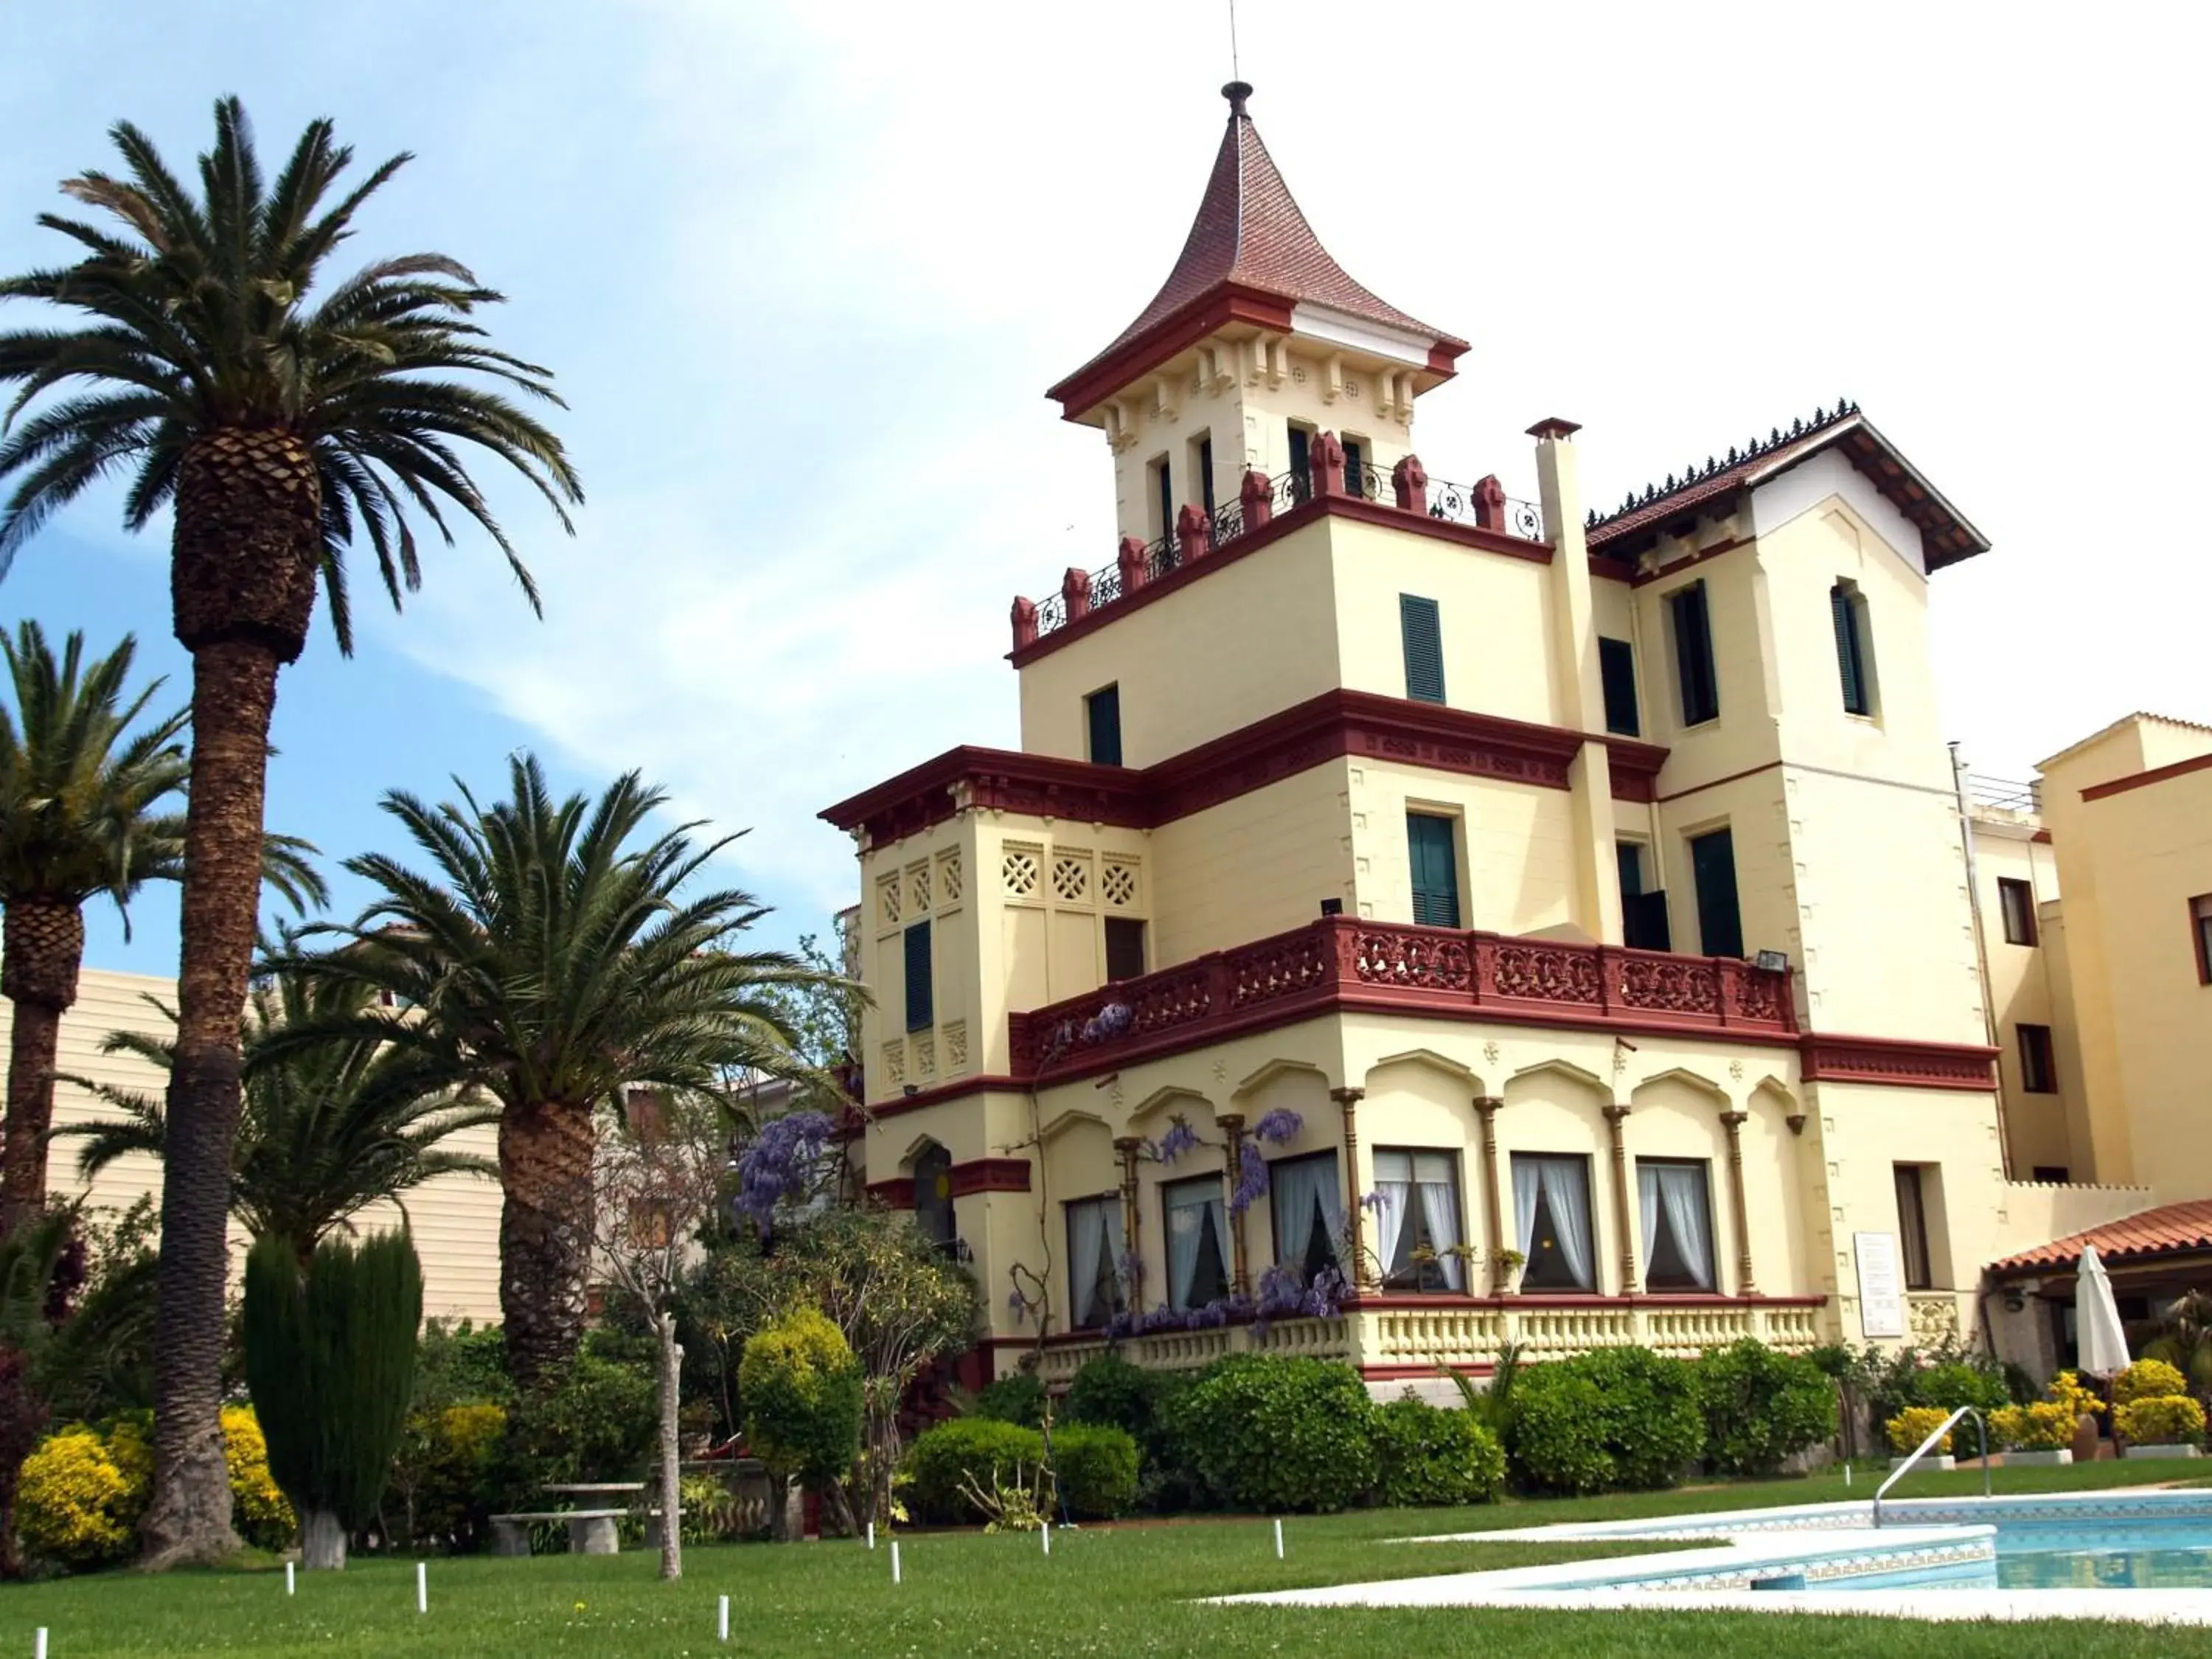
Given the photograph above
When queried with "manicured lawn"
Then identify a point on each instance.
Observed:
(1123, 1590)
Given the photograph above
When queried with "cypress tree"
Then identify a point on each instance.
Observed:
(330, 1361)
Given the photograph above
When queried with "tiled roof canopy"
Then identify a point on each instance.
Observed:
(1946, 536)
(1249, 236)
(2171, 1230)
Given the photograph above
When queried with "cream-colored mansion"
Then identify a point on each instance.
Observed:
(1556, 921)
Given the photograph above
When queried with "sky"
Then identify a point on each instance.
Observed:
(803, 273)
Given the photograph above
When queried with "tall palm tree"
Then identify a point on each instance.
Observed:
(82, 800)
(551, 956)
(329, 1128)
(223, 370)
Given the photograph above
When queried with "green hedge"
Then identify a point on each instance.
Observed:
(1015, 1399)
(1616, 1418)
(1761, 1407)
(1429, 1456)
(1097, 1466)
(1278, 1435)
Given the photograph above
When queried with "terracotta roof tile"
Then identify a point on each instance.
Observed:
(1251, 234)
(2168, 1229)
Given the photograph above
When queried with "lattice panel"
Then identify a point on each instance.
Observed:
(894, 1061)
(887, 900)
(1071, 878)
(924, 1054)
(1020, 870)
(1117, 880)
(956, 1045)
(917, 889)
(948, 878)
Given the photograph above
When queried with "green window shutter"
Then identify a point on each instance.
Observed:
(1103, 709)
(1205, 473)
(1693, 655)
(1851, 649)
(1712, 867)
(1616, 662)
(1355, 467)
(920, 1003)
(1429, 845)
(1422, 630)
(1630, 855)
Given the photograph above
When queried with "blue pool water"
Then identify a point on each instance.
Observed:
(2062, 1554)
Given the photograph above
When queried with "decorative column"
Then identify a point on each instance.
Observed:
(1355, 1223)
(1025, 622)
(1194, 534)
(1134, 561)
(1256, 495)
(1493, 1211)
(1746, 1283)
(1232, 1125)
(1325, 460)
(1614, 1117)
(1075, 593)
(1409, 485)
(1127, 1146)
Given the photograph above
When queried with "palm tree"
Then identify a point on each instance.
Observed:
(222, 372)
(329, 1128)
(550, 959)
(80, 801)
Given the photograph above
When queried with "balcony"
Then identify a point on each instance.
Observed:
(1340, 962)
(1199, 534)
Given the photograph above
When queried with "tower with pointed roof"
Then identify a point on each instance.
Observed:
(1426, 905)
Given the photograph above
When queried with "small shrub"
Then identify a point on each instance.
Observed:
(1948, 1387)
(597, 1421)
(444, 1474)
(2161, 1421)
(257, 1508)
(802, 1391)
(2066, 1391)
(1639, 1419)
(1555, 1448)
(1276, 1435)
(981, 1450)
(2039, 1425)
(72, 1501)
(1914, 1424)
(1018, 1398)
(1111, 1392)
(1761, 1407)
(2149, 1379)
(1097, 1470)
(1426, 1456)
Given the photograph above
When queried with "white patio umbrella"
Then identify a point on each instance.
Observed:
(2097, 1333)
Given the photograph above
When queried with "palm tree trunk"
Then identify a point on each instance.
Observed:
(544, 1235)
(233, 696)
(40, 950)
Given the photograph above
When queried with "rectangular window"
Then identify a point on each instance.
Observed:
(1102, 713)
(1912, 1228)
(1693, 655)
(1308, 1206)
(1552, 1205)
(1355, 470)
(1420, 628)
(1847, 607)
(1713, 869)
(2200, 930)
(1418, 1236)
(1095, 1245)
(1675, 1198)
(1125, 948)
(1616, 665)
(1301, 461)
(1162, 499)
(1201, 460)
(1198, 1242)
(2054, 1174)
(2038, 1075)
(920, 1004)
(2016, 899)
(1629, 854)
(1643, 909)
(1431, 848)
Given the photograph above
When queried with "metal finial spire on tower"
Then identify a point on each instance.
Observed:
(1236, 71)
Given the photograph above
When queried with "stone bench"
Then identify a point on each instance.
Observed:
(590, 1532)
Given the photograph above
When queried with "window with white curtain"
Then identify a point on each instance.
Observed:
(1417, 1220)
(1675, 1198)
(1308, 1211)
(1095, 1245)
(1197, 1230)
(1552, 1207)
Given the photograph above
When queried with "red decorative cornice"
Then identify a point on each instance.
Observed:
(1357, 507)
(1324, 728)
(896, 1194)
(1893, 1060)
(921, 1099)
(990, 1175)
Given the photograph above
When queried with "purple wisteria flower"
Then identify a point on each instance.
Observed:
(1132, 1268)
(1279, 1126)
(1180, 1138)
(1251, 1178)
(1372, 1202)
(781, 1162)
(1017, 1306)
(1108, 1023)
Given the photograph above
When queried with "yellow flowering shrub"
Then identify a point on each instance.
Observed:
(2043, 1426)
(73, 1505)
(1914, 1424)
(2161, 1421)
(257, 1508)
(2066, 1391)
(2149, 1379)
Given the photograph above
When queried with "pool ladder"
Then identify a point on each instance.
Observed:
(1981, 1430)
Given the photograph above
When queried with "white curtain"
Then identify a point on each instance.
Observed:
(1087, 1242)
(1647, 1204)
(1526, 1176)
(1682, 1191)
(1432, 1179)
(1394, 1187)
(1564, 1184)
(1302, 1189)
(1186, 1213)
(1117, 1241)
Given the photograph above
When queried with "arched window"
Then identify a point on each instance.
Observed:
(932, 1195)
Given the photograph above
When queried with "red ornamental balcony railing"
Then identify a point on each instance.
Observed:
(1338, 962)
